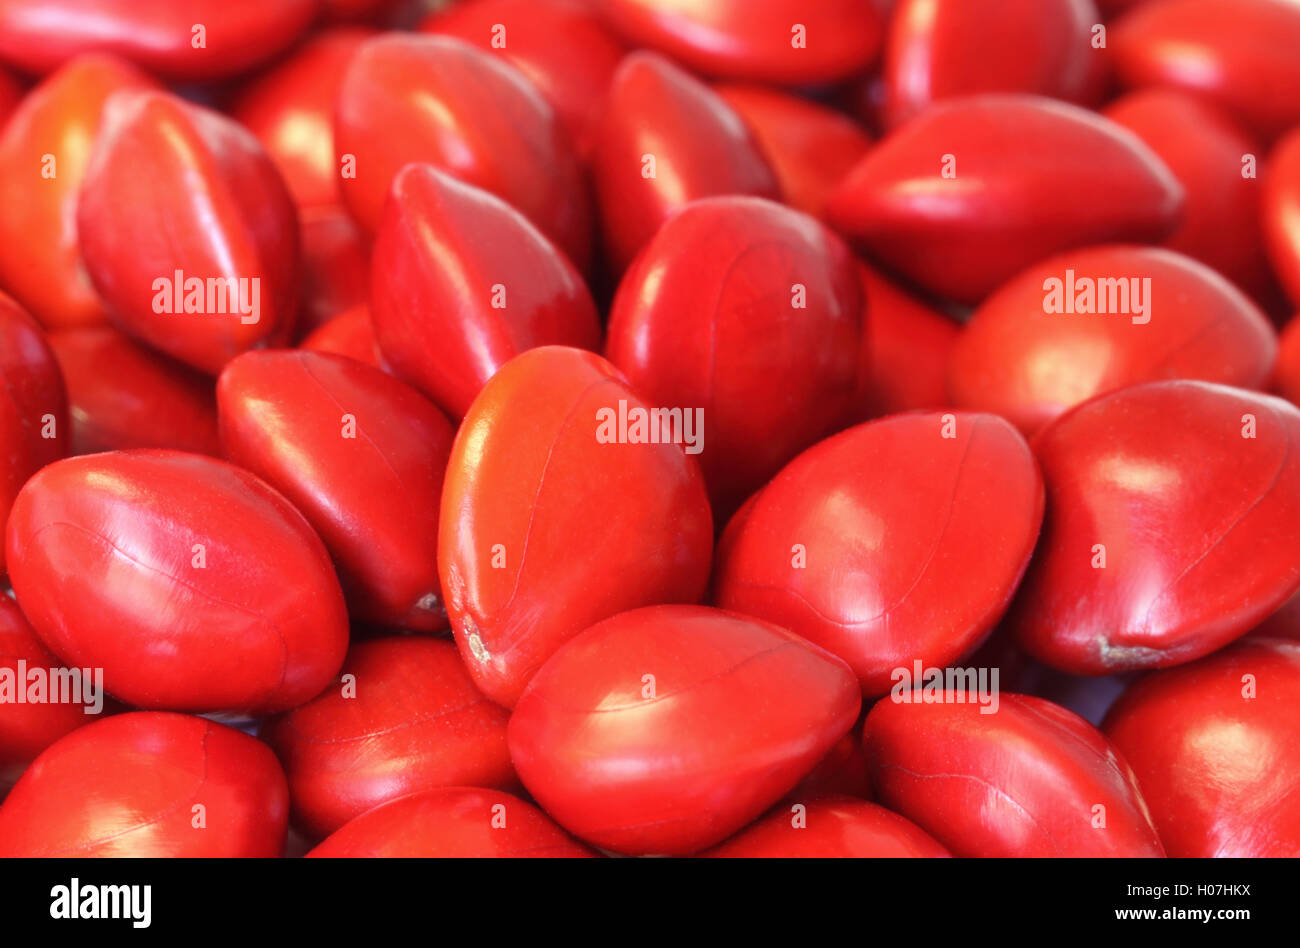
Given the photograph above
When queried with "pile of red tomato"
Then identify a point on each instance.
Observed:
(311, 312)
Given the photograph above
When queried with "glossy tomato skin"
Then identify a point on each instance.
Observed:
(362, 455)
(193, 584)
(978, 188)
(1030, 779)
(462, 283)
(755, 40)
(830, 828)
(350, 333)
(176, 188)
(560, 45)
(664, 730)
(940, 49)
(546, 529)
(124, 395)
(40, 258)
(290, 108)
(897, 541)
(409, 719)
(157, 35)
(1216, 746)
(452, 822)
(1286, 374)
(1207, 151)
(752, 313)
(34, 415)
(489, 127)
(663, 139)
(1239, 54)
(809, 147)
(28, 728)
(151, 772)
(1029, 363)
(1281, 213)
(335, 266)
(906, 344)
(1156, 495)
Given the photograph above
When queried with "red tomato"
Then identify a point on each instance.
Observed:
(335, 267)
(795, 42)
(975, 190)
(187, 230)
(123, 395)
(44, 152)
(830, 828)
(663, 140)
(197, 39)
(1286, 374)
(809, 146)
(940, 49)
(462, 283)
(1029, 779)
(194, 585)
(1281, 213)
(34, 413)
(905, 349)
(1148, 314)
(290, 108)
(348, 334)
(896, 541)
(452, 822)
(362, 455)
(748, 314)
(26, 728)
(548, 527)
(408, 719)
(1216, 747)
(1157, 494)
(664, 730)
(560, 45)
(1207, 153)
(1240, 54)
(163, 785)
(439, 100)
